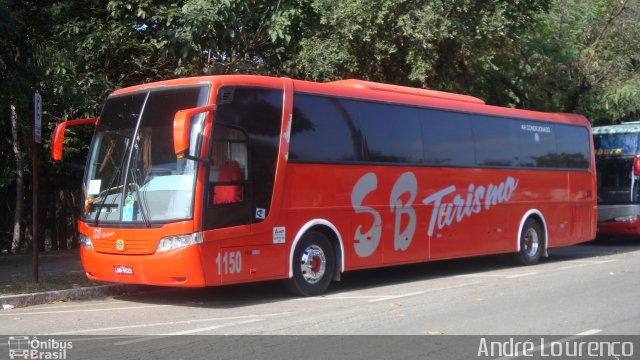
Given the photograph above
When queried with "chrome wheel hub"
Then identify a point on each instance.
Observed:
(531, 242)
(313, 264)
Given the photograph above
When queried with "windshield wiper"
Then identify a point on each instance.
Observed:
(136, 183)
(124, 163)
(116, 174)
(128, 170)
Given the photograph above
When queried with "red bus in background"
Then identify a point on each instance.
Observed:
(230, 179)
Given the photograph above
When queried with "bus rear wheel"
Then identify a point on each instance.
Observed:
(532, 243)
(313, 265)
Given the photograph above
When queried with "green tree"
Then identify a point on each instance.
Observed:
(581, 56)
(18, 67)
(435, 43)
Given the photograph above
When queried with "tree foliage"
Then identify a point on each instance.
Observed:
(423, 43)
(552, 55)
(584, 56)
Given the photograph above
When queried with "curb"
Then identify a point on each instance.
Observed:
(83, 293)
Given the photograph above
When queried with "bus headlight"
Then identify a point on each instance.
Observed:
(84, 241)
(179, 241)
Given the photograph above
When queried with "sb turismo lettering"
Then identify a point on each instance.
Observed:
(477, 198)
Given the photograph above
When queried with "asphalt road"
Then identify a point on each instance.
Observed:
(581, 290)
(592, 288)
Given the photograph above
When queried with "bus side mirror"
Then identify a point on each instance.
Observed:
(183, 129)
(57, 140)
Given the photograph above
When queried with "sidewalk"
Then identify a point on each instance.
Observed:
(61, 278)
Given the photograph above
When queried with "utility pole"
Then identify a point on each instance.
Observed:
(35, 156)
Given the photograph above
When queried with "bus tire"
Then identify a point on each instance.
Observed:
(313, 265)
(532, 243)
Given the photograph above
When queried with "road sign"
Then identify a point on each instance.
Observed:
(37, 115)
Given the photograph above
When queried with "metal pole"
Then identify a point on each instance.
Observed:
(35, 151)
(35, 156)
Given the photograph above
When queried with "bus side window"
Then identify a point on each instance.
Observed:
(228, 172)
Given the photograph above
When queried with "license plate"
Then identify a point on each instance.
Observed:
(123, 269)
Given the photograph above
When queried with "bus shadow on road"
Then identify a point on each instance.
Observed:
(236, 296)
(595, 248)
(365, 279)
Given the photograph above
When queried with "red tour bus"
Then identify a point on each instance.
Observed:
(230, 179)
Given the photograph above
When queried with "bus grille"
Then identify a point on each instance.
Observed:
(131, 247)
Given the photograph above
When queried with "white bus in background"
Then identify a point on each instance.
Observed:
(618, 170)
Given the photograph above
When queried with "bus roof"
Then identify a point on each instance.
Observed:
(624, 128)
(371, 91)
(368, 85)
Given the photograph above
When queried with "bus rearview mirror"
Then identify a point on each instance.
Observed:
(182, 129)
(57, 140)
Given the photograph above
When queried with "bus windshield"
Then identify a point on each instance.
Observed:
(132, 174)
(616, 182)
(615, 144)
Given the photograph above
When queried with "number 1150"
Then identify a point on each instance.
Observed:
(229, 262)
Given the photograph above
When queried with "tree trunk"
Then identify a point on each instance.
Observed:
(74, 206)
(17, 151)
(51, 223)
(62, 221)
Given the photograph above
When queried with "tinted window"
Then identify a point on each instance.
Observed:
(329, 129)
(323, 130)
(121, 112)
(494, 141)
(336, 130)
(448, 139)
(388, 133)
(256, 114)
(536, 144)
(573, 146)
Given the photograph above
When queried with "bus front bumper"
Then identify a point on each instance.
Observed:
(180, 267)
(629, 227)
(619, 220)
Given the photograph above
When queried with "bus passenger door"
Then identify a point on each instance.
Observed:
(244, 151)
(229, 199)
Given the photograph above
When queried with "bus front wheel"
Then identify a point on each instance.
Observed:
(532, 243)
(313, 265)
